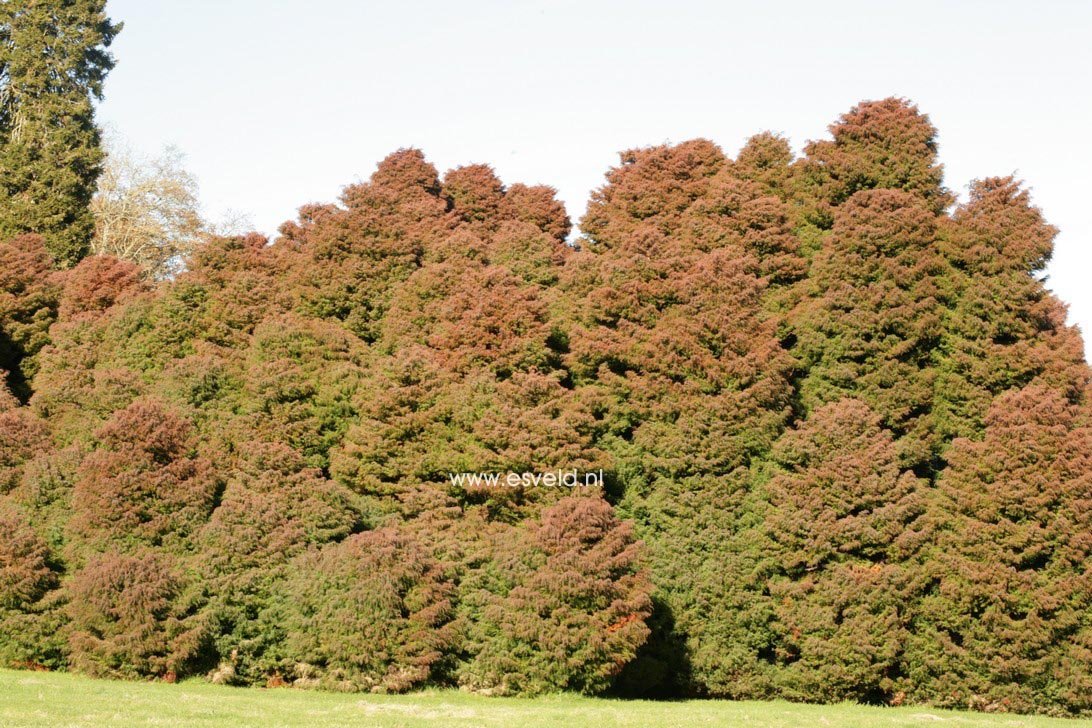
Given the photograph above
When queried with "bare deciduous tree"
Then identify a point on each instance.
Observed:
(146, 209)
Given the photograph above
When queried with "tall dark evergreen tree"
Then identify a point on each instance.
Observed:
(53, 60)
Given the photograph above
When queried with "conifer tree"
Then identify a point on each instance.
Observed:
(371, 612)
(272, 508)
(28, 306)
(885, 144)
(133, 615)
(249, 463)
(845, 523)
(873, 317)
(568, 609)
(29, 577)
(53, 61)
(1005, 329)
(1006, 623)
(143, 484)
(694, 383)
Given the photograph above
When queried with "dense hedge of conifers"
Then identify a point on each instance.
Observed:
(846, 431)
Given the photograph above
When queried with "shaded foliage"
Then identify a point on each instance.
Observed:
(28, 306)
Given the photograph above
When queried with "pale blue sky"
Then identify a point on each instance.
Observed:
(280, 103)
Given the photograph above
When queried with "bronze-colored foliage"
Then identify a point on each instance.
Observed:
(873, 316)
(1006, 622)
(25, 570)
(96, 284)
(843, 425)
(568, 606)
(131, 616)
(28, 305)
(29, 595)
(885, 144)
(371, 612)
(143, 484)
(846, 523)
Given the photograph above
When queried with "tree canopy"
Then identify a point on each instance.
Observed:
(843, 426)
(53, 61)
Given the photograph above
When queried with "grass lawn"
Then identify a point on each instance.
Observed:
(55, 699)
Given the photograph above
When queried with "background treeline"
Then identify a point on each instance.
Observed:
(846, 430)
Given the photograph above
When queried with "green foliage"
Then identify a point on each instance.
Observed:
(872, 319)
(1004, 331)
(886, 144)
(846, 523)
(272, 509)
(22, 435)
(844, 430)
(53, 61)
(565, 606)
(28, 594)
(371, 612)
(1006, 623)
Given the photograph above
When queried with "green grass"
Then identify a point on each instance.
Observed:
(55, 699)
